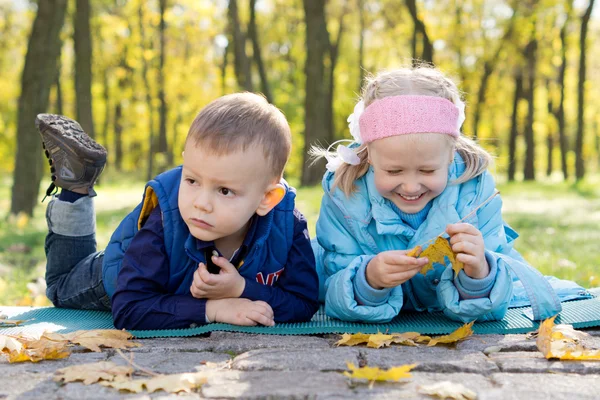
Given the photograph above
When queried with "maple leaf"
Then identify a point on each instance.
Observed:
(353, 339)
(32, 349)
(564, 342)
(373, 374)
(460, 334)
(169, 383)
(93, 372)
(437, 253)
(93, 339)
(448, 390)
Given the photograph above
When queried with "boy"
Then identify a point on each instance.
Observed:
(226, 210)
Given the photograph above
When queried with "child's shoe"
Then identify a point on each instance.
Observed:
(76, 160)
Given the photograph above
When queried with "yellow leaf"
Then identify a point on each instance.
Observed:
(93, 372)
(437, 253)
(460, 334)
(415, 252)
(354, 339)
(375, 374)
(12, 322)
(38, 349)
(448, 390)
(564, 342)
(9, 344)
(380, 340)
(93, 339)
(169, 383)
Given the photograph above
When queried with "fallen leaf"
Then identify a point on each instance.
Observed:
(372, 374)
(353, 339)
(11, 322)
(564, 342)
(169, 383)
(437, 253)
(9, 344)
(94, 339)
(33, 350)
(460, 334)
(93, 372)
(448, 390)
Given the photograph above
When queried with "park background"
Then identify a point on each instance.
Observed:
(135, 73)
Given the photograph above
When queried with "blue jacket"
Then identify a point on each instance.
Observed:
(265, 267)
(352, 230)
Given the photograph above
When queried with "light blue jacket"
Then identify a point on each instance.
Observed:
(352, 230)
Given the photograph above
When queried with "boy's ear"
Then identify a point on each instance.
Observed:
(272, 197)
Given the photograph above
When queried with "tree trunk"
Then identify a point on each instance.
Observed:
(38, 74)
(148, 95)
(224, 71)
(83, 66)
(550, 137)
(256, 52)
(315, 122)
(529, 166)
(488, 69)
(162, 146)
(333, 57)
(361, 45)
(579, 161)
(514, 127)
(560, 114)
(58, 86)
(241, 61)
(106, 96)
(427, 51)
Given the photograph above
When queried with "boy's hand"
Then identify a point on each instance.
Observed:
(467, 243)
(240, 312)
(228, 283)
(393, 268)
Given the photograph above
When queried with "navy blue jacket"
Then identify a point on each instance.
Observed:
(149, 263)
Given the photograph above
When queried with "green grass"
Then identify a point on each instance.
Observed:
(558, 225)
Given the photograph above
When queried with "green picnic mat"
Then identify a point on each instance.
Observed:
(580, 314)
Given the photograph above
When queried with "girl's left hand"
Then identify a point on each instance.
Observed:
(228, 283)
(467, 243)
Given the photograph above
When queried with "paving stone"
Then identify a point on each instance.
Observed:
(241, 342)
(529, 362)
(542, 386)
(503, 342)
(296, 360)
(187, 344)
(430, 359)
(172, 362)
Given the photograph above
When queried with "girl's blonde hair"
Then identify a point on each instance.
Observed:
(424, 81)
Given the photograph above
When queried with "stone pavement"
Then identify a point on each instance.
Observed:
(309, 367)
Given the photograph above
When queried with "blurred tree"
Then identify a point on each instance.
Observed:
(38, 74)
(162, 146)
(514, 125)
(426, 53)
(83, 66)
(530, 79)
(256, 53)
(238, 38)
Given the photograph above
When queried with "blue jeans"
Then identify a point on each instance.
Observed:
(74, 267)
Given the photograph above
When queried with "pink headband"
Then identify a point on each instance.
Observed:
(398, 115)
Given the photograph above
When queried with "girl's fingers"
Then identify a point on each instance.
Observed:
(465, 247)
(467, 259)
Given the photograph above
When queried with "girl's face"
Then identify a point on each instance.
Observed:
(411, 170)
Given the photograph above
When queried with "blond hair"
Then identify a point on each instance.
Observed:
(424, 81)
(238, 121)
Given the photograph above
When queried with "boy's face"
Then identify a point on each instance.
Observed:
(219, 194)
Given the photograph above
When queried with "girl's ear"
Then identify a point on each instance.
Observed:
(273, 195)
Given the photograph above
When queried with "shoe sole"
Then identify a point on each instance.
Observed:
(70, 137)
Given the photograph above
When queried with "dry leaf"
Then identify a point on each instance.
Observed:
(11, 322)
(437, 253)
(353, 339)
(93, 339)
(375, 374)
(448, 390)
(564, 342)
(169, 383)
(460, 334)
(92, 373)
(32, 349)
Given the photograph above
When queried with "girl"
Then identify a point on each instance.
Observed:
(410, 176)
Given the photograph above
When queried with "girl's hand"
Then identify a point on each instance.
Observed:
(467, 243)
(228, 283)
(392, 268)
(240, 312)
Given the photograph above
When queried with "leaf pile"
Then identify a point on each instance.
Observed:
(379, 340)
(437, 253)
(52, 346)
(564, 342)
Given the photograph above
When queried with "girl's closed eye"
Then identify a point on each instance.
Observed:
(394, 171)
(427, 171)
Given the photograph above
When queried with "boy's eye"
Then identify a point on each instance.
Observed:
(190, 181)
(225, 191)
